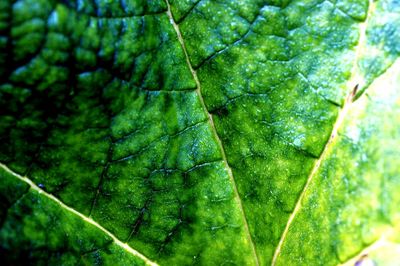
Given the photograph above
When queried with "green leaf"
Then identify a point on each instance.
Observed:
(199, 132)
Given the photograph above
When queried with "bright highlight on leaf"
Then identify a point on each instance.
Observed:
(179, 132)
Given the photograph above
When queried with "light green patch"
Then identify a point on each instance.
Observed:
(352, 202)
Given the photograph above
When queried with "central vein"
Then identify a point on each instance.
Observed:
(211, 121)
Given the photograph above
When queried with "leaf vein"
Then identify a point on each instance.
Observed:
(211, 121)
(353, 84)
(118, 242)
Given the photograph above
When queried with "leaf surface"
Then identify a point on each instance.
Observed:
(198, 132)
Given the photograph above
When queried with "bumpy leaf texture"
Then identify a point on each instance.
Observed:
(179, 132)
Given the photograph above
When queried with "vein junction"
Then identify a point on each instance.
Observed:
(118, 242)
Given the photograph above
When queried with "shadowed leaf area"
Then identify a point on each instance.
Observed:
(180, 132)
